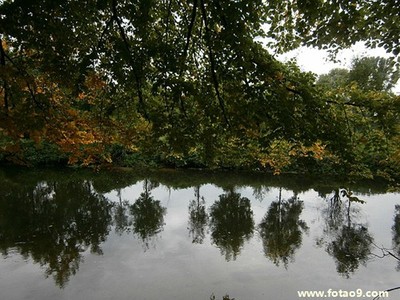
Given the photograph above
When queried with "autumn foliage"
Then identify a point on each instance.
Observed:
(159, 83)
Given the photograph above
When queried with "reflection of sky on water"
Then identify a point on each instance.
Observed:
(172, 267)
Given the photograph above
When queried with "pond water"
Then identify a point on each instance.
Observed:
(192, 235)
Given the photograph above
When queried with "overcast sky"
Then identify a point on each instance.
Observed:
(317, 61)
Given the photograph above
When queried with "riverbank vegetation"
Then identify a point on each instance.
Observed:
(189, 84)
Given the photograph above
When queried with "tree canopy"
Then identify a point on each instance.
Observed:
(182, 82)
(369, 73)
(335, 24)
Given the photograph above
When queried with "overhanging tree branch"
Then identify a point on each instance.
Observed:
(190, 29)
(86, 60)
(24, 73)
(358, 105)
(186, 50)
(131, 61)
(5, 84)
(212, 61)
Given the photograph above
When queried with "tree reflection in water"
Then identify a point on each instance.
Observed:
(145, 217)
(231, 223)
(226, 297)
(198, 217)
(121, 215)
(281, 230)
(53, 223)
(348, 241)
(396, 234)
(148, 215)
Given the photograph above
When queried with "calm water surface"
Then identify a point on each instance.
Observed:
(191, 235)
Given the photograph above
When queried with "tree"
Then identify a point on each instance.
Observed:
(198, 217)
(231, 223)
(369, 73)
(281, 230)
(185, 83)
(346, 239)
(334, 24)
(121, 219)
(396, 233)
(335, 78)
(373, 73)
(175, 65)
(54, 223)
(148, 215)
(361, 101)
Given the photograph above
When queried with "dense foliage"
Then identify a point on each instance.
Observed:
(187, 83)
(335, 24)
